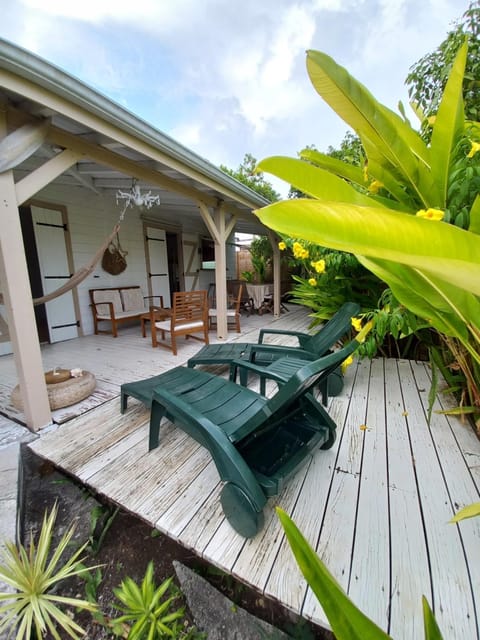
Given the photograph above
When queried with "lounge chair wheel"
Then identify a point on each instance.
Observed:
(335, 383)
(240, 512)
(329, 443)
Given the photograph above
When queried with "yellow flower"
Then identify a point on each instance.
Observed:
(474, 149)
(319, 265)
(304, 254)
(375, 186)
(297, 250)
(346, 363)
(357, 324)
(282, 246)
(430, 214)
(364, 332)
(312, 282)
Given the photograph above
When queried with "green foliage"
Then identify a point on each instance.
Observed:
(351, 150)
(35, 574)
(148, 611)
(347, 621)
(247, 175)
(464, 181)
(325, 286)
(432, 268)
(261, 253)
(428, 77)
(101, 519)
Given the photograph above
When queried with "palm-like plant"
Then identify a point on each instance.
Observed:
(146, 613)
(34, 573)
(432, 268)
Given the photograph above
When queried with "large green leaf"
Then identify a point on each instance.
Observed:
(449, 125)
(432, 631)
(450, 310)
(356, 175)
(389, 136)
(314, 181)
(475, 216)
(343, 169)
(346, 620)
(439, 249)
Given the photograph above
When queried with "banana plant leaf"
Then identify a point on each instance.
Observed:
(314, 181)
(343, 169)
(449, 124)
(441, 250)
(387, 139)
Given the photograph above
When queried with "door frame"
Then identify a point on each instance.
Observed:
(168, 228)
(62, 209)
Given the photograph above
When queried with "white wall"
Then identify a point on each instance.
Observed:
(91, 219)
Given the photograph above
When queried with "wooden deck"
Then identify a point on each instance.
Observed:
(376, 506)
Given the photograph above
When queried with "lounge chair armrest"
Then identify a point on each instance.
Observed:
(281, 332)
(246, 366)
(280, 351)
(230, 464)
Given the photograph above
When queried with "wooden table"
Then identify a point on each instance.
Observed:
(159, 314)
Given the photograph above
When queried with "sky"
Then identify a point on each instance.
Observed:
(228, 77)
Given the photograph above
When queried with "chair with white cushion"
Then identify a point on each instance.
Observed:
(189, 318)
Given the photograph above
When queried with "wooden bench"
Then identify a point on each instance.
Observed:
(119, 304)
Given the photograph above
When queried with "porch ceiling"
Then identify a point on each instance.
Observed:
(115, 145)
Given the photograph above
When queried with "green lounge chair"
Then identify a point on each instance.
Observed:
(310, 347)
(255, 442)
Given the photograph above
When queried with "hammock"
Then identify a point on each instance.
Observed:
(81, 274)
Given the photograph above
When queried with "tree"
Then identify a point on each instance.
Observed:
(428, 77)
(247, 175)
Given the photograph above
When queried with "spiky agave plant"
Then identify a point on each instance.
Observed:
(34, 573)
(146, 611)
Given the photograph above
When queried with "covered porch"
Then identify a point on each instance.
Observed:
(376, 506)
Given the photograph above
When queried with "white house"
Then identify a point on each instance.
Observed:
(66, 152)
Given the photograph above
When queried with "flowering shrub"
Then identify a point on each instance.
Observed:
(431, 267)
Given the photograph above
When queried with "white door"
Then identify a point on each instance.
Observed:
(52, 255)
(157, 264)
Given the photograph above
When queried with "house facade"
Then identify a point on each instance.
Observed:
(66, 152)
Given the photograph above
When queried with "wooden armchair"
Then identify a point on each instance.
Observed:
(233, 310)
(189, 316)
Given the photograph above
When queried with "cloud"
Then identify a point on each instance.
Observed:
(227, 78)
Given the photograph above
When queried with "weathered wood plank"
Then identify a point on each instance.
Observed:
(285, 582)
(191, 500)
(459, 483)
(369, 584)
(410, 575)
(452, 597)
(337, 533)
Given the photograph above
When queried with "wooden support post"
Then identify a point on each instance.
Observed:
(18, 302)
